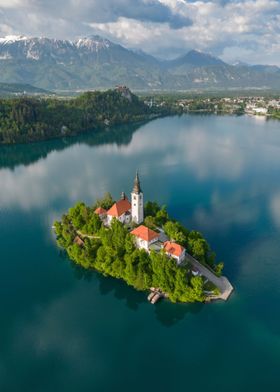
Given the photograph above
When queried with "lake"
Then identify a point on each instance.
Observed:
(66, 330)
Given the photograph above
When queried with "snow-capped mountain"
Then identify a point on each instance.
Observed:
(95, 62)
(23, 48)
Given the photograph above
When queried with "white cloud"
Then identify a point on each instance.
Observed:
(10, 3)
(247, 29)
(224, 212)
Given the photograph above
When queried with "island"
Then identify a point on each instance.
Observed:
(143, 246)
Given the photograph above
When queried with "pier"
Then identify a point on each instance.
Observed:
(155, 295)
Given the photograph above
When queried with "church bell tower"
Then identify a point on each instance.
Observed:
(137, 202)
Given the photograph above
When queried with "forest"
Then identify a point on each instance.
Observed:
(28, 119)
(112, 252)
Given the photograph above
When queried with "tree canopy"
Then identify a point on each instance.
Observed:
(27, 119)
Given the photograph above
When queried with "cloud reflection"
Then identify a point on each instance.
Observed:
(204, 147)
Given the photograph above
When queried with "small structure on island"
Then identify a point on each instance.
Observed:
(101, 212)
(175, 251)
(79, 241)
(137, 202)
(144, 237)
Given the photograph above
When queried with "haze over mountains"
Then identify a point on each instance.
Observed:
(96, 62)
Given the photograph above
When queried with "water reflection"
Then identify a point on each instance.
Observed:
(25, 154)
(133, 299)
(201, 148)
(166, 313)
(169, 314)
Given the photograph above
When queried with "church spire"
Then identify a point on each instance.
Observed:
(137, 187)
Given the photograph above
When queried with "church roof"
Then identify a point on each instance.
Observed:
(137, 187)
(145, 233)
(119, 208)
(173, 248)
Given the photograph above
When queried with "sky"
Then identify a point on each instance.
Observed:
(234, 30)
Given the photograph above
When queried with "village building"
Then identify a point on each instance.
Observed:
(144, 237)
(175, 251)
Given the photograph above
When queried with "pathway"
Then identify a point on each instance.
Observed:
(87, 235)
(222, 282)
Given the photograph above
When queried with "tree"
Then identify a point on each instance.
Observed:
(219, 268)
(198, 248)
(161, 216)
(197, 285)
(175, 233)
(93, 224)
(151, 208)
(105, 202)
(78, 215)
(150, 222)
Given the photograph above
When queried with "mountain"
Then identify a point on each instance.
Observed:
(266, 68)
(95, 62)
(195, 58)
(92, 62)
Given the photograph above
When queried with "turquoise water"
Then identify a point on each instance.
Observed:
(63, 329)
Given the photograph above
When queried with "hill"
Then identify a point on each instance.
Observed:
(28, 119)
(9, 89)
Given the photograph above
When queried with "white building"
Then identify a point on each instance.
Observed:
(137, 202)
(144, 237)
(175, 251)
(262, 111)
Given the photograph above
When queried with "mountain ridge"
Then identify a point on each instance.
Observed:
(96, 62)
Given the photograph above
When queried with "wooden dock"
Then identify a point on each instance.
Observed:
(155, 295)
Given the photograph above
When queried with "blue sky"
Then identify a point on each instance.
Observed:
(245, 30)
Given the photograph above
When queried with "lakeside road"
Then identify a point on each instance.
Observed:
(222, 282)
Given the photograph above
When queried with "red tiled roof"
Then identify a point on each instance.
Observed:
(100, 211)
(119, 208)
(173, 248)
(145, 233)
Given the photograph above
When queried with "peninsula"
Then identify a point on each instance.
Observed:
(30, 119)
(143, 246)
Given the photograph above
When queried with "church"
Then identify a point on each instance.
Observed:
(124, 210)
(133, 212)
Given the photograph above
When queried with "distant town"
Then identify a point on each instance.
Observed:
(251, 105)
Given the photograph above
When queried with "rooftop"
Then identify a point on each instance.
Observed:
(173, 248)
(100, 211)
(119, 208)
(145, 233)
